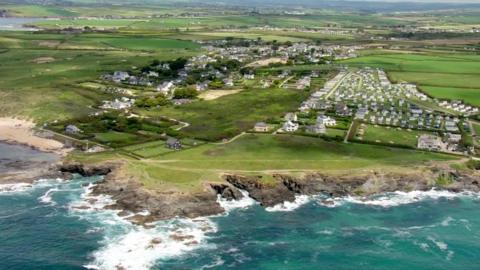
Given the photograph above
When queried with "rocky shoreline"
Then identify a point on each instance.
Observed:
(131, 197)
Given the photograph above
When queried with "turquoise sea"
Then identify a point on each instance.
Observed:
(56, 224)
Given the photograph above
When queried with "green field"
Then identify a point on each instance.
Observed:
(470, 96)
(264, 155)
(228, 116)
(385, 135)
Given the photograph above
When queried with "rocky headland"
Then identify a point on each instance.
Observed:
(131, 196)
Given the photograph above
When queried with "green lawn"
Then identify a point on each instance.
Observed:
(391, 135)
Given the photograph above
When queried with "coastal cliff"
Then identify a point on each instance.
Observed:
(131, 196)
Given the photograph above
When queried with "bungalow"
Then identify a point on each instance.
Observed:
(173, 143)
(261, 127)
(290, 126)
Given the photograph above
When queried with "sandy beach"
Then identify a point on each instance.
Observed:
(20, 131)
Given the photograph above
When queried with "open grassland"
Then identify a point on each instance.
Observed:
(229, 115)
(41, 80)
(265, 155)
(441, 75)
(386, 135)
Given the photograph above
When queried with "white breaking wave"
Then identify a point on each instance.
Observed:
(128, 246)
(14, 188)
(140, 248)
(397, 198)
(47, 197)
(24, 187)
(290, 206)
(243, 203)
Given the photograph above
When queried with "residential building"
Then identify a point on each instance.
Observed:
(173, 143)
(261, 127)
(290, 126)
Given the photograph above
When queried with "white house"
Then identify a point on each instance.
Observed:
(326, 120)
(166, 87)
(290, 126)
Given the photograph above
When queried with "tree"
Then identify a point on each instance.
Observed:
(216, 84)
(185, 93)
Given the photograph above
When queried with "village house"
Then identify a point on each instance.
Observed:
(173, 143)
(261, 127)
(119, 76)
(166, 87)
(290, 126)
(342, 110)
(326, 120)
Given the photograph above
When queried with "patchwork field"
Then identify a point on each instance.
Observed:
(37, 70)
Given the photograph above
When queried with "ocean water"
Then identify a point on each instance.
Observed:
(56, 224)
(16, 24)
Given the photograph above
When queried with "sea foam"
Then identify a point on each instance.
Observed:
(230, 205)
(397, 198)
(129, 246)
(290, 206)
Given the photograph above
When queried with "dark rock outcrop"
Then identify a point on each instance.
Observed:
(268, 194)
(227, 192)
(83, 170)
(131, 196)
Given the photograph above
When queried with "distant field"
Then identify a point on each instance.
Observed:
(43, 70)
(441, 75)
(470, 96)
(146, 43)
